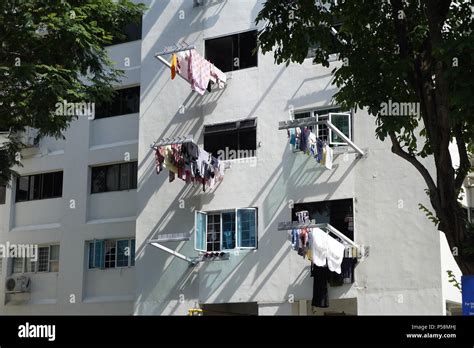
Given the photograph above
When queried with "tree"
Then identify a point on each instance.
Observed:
(54, 51)
(405, 51)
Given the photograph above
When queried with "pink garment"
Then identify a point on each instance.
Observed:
(199, 72)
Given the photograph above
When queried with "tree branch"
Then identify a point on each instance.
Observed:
(464, 165)
(397, 149)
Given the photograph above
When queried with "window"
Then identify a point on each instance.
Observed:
(47, 261)
(18, 265)
(342, 120)
(39, 186)
(131, 32)
(226, 230)
(125, 101)
(231, 140)
(114, 253)
(116, 177)
(233, 52)
(338, 213)
(3, 194)
(334, 44)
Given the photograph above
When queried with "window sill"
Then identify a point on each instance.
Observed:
(109, 269)
(36, 200)
(127, 190)
(114, 116)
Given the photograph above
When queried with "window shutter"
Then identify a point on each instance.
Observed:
(200, 229)
(99, 253)
(343, 122)
(247, 228)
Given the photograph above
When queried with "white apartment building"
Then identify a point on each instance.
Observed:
(95, 220)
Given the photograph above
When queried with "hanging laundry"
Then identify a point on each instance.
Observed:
(218, 77)
(320, 286)
(295, 240)
(174, 66)
(335, 254)
(319, 246)
(183, 64)
(319, 146)
(328, 157)
(189, 163)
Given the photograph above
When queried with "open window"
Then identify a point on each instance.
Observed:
(226, 230)
(342, 121)
(233, 52)
(231, 140)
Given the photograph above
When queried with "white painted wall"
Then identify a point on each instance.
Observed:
(75, 289)
(402, 273)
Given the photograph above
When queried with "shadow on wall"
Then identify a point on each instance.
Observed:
(173, 277)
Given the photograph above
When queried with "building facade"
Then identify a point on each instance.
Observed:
(103, 225)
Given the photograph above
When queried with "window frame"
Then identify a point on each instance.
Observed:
(119, 183)
(238, 128)
(104, 241)
(120, 98)
(320, 115)
(329, 202)
(231, 35)
(41, 184)
(220, 212)
(34, 268)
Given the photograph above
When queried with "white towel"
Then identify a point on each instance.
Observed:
(335, 254)
(319, 246)
(329, 157)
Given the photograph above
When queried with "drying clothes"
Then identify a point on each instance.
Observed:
(169, 160)
(199, 71)
(323, 158)
(304, 138)
(174, 66)
(309, 253)
(312, 144)
(329, 157)
(303, 242)
(319, 146)
(159, 159)
(295, 240)
(190, 150)
(218, 77)
(292, 135)
(183, 64)
(319, 246)
(335, 254)
(347, 269)
(320, 286)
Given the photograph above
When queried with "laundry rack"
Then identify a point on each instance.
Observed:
(362, 251)
(313, 121)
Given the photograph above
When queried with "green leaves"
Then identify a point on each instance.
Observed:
(51, 51)
(453, 280)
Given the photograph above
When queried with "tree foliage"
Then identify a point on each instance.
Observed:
(50, 51)
(405, 51)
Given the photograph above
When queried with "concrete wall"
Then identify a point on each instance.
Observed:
(75, 289)
(402, 273)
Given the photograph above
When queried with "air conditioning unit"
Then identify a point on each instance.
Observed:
(17, 284)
